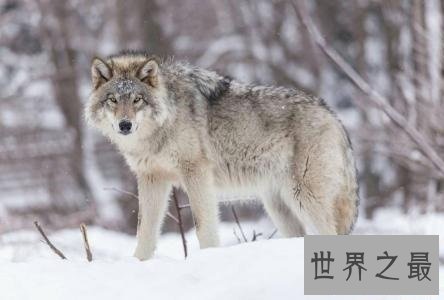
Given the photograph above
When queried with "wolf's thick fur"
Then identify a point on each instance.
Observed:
(211, 135)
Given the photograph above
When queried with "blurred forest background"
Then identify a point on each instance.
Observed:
(54, 169)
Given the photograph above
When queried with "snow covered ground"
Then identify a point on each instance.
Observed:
(267, 269)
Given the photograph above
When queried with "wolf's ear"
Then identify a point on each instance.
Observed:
(100, 72)
(148, 72)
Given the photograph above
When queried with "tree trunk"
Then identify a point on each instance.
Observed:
(65, 87)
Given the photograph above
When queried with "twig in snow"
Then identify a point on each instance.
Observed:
(255, 236)
(179, 222)
(237, 237)
(272, 234)
(238, 223)
(48, 242)
(86, 242)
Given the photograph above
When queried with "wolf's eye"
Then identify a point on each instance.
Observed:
(138, 99)
(112, 99)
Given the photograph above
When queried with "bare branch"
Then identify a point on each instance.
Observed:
(237, 237)
(137, 198)
(48, 242)
(375, 97)
(86, 242)
(238, 224)
(272, 234)
(180, 223)
(172, 217)
(255, 236)
(121, 191)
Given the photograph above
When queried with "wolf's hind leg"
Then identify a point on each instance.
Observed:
(312, 209)
(320, 212)
(316, 180)
(283, 218)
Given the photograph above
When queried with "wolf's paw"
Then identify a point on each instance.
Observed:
(143, 254)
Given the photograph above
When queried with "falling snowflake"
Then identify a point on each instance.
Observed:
(125, 86)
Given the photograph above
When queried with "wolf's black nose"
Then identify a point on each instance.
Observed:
(125, 127)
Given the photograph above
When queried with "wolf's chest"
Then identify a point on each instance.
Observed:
(152, 164)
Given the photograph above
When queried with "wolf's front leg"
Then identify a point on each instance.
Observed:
(204, 206)
(153, 202)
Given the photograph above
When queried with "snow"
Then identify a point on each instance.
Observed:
(266, 269)
(244, 271)
(393, 221)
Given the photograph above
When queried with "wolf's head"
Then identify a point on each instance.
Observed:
(128, 95)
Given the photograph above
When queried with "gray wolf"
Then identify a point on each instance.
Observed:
(181, 125)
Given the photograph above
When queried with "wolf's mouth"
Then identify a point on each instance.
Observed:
(125, 132)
